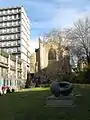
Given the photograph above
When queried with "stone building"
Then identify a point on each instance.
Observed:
(51, 58)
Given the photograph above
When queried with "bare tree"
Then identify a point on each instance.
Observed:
(79, 35)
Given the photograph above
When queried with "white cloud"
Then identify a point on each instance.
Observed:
(66, 17)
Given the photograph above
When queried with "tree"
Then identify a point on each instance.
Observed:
(79, 35)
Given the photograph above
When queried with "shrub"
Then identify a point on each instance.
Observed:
(83, 77)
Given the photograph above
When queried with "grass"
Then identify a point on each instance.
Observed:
(29, 105)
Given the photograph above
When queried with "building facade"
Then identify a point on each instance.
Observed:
(11, 68)
(52, 59)
(15, 34)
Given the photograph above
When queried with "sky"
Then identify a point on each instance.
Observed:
(46, 15)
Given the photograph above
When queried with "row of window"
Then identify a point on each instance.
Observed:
(12, 63)
(9, 43)
(12, 50)
(10, 17)
(9, 11)
(10, 82)
(3, 59)
(8, 24)
(9, 30)
(8, 37)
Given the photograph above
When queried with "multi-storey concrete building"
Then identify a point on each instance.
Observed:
(15, 34)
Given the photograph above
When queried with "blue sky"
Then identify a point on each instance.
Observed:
(48, 14)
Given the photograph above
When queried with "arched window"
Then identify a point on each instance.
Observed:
(52, 54)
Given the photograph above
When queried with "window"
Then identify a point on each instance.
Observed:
(8, 43)
(16, 10)
(12, 16)
(10, 23)
(9, 37)
(14, 49)
(19, 42)
(16, 22)
(4, 18)
(0, 24)
(7, 30)
(18, 29)
(3, 11)
(10, 30)
(18, 35)
(7, 23)
(15, 16)
(12, 36)
(2, 37)
(4, 44)
(5, 37)
(12, 11)
(5, 50)
(18, 16)
(19, 49)
(0, 44)
(8, 11)
(4, 30)
(14, 43)
(1, 31)
(4, 24)
(1, 18)
(14, 29)
(51, 54)
(9, 50)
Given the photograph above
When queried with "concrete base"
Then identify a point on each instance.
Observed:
(62, 101)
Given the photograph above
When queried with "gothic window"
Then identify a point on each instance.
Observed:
(52, 54)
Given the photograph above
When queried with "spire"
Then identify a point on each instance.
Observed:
(39, 39)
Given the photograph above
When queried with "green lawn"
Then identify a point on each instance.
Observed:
(29, 105)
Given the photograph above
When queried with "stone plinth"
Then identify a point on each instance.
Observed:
(62, 101)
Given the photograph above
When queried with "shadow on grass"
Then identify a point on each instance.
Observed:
(29, 105)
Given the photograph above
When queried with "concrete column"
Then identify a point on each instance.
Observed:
(16, 67)
(9, 66)
(22, 70)
(26, 70)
